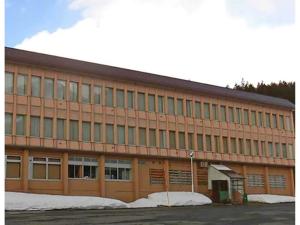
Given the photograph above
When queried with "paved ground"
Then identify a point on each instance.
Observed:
(252, 214)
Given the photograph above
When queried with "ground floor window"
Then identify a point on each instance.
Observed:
(117, 169)
(44, 168)
(277, 181)
(255, 180)
(12, 166)
(83, 167)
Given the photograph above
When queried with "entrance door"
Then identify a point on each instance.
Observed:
(219, 190)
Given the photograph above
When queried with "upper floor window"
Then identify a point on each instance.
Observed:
(161, 107)
(179, 107)
(85, 93)
(225, 144)
(130, 99)
(35, 86)
(246, 116)
(215, 112)
(239, 115)
(241, 145)
(61, 129)
(97, 132)
(287, 123)
(231, 115)
(281, 122)
(206, 111)
(73, 91)
(172, 139)
(189, 108)
(86, 131)
(208, 142)
(181, 137)
(200, 142)
(277, 147)
(171, 106)
(61, 90)
(109, 97)
(233, 145)
(97, 94)
(121, 134)
(248, 147)
(284, 151)
(217, 144)
(142, 136)
(256, 147)
(253, 118)
(48, 127)
(151, 103)
(20, 124)
(263, 148)
(9, 83)
(190, 141)
(141, 102)
(22, 84)
(274, 116)
(270, 144)
(131, 135)
(109, 133)
(260, 119)
(268, 120)
(152, 137)
(120, 98)
(74, 133)
(35, 126)
(223, 113)
(48, 88)
(162, 139)
(198, 110)
(8, 123)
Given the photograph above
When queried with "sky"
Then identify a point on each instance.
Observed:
(210, 41)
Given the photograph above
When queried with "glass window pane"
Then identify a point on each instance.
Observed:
(200, 142)
(263, 148)
(191, 141)
(215, 112)
(86, 131)
(86, 93)
(206, 111)
(256, 148)
(142, 136)
(233, 145)
(241, 145)
(20, 125)
(121, 134)
(35, 86)
(171, 107)
(239, 115)
(35, 126)
(151, 103)
(189, 108)
(74, 130)
(48, 88)
(141, 101)
(162, 139)
(161, 108)
(223, 113)
(131, 135)
(97, 132)
(274, 120)
(217, 143)
(268, 120)
(253, 118)
(281, 122)
(73, 91)
(270, 149)
(208, 143)
(61, 89)
(287, 123)
(180, 107)
(22, 84)
(130, 99)
(97, 94)
(152, 137)
(13, 170)
(248, 147)
(109, 133)
(181, 137)
(277, 145)
(284, 151)
(231, 115)
(61, 129)
(172, 140)
(48, 124)
(39, 171)
(53, 172)
(8, 123)
(120, 98)
(260, 119)
(9, 83)
(198, 110)
(225, 145)
(246, 116)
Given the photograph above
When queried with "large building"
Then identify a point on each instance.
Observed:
(80, 128)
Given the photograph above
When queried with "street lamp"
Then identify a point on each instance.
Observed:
(192, 169)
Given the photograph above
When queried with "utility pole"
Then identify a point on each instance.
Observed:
(192, 169)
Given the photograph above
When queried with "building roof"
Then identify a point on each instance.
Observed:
(115, 73)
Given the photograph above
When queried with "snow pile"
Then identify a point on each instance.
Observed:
(25, 201)
(266, 198)
(142, 203)
(178, 198)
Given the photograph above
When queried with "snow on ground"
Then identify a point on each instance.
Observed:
(142, 203)
(26, 201)
(266, 198)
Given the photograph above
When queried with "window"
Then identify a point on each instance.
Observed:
(161, 100)
(270, 145)
(206, 111)
(253, 118)
(48, 130)
(97, 132)
(86, 131)
(198, 110)
(97, 94)
(22, 84)
(86, 93)
(223, 113)
(263, 148)
(151, 103)
(35, 86)
(61, 89)
(189, 108)
(248, 147)
(225, 145)
(284, 151)
(44, 168)
(73, 91)
(8, 123)
(117, 169)
(131, 135)
(233, 145)
(181, 137)
(277, 147)
(120, 98)
(172, 139)
(274, 118)
(190, 141)
(121, 134)
(200, 142)
(171, 107)
(152, 137)
(290, 152)
(256, 147)
(268, 120)
(35, 126)
(74, 130)
(109, 133)
(142, 136)
(239, 115)
(179, 107)
(277, 181)
(130, 99)
(231, 115)
(83, 167)
(141, 102)
(217, 144)
(281, 122)
(260, 119)
(255, 180)
(12, 166)
(241, 145)
(61, 129)
(215, 112)
(109, 97)
(9, 83)
(246, 116)
(48, 88)
(162, 139)
(287, 123)
(21, 125)
(208, 142)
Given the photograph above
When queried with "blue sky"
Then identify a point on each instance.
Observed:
(24, 18)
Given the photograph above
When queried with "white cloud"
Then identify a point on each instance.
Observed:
(196, 40)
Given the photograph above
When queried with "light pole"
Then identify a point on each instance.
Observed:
(192, 169)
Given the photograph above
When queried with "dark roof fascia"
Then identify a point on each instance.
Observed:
(115, 73)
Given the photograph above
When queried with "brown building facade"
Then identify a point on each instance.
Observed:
(79, 128)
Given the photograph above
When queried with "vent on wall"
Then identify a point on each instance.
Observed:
(156, 176)
(180, 177)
